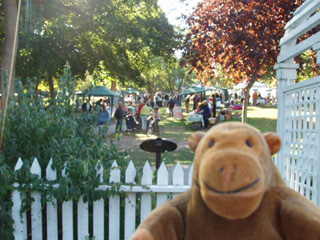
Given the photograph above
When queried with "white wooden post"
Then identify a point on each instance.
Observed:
(130, 204)
(162, 180)
(52, 214)
(67, 216)
(36, 210)
(178, 177)
(146, 202)
(114, 205)
(286, 73)
(20, 224)
(83, 219)
(98, 210)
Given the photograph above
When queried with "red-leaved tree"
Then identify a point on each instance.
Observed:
(241, 36)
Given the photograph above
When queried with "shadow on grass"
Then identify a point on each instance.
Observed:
(184, 155)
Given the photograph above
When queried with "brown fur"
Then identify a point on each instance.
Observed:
(237, 193)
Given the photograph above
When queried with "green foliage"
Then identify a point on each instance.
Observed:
(51, 130)
(119, 34)
(307, 66)
(163, 75)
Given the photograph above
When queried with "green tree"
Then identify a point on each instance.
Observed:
(166, 75)
(122, 35)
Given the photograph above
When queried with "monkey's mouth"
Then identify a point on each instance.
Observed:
(233, 191)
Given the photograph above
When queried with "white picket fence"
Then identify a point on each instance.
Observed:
(299, 104)
(162, 190)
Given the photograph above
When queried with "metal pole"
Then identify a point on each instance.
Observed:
(158, 160)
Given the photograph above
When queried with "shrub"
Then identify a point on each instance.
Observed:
(49, 129)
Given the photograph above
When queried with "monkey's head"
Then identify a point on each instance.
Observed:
(233, 167)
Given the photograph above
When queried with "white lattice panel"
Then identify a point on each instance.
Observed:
(301, 139)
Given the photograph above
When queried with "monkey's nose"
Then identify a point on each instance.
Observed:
(227, 172)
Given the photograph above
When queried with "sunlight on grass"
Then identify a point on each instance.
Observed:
(263, 118)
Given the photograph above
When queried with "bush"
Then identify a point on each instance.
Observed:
(49, 129)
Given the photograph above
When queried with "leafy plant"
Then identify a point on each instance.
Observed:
(49, 129)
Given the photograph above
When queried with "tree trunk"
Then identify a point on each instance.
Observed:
(10, 15)
(51, 87)
(114, 86)
(246, 101)
(245, 106)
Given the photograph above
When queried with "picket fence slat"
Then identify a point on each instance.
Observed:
(36, 209)
(20, 226)
(147, 174)
(52, 212)
(114, 205)
(146, 204)
(67, 215)
(20, 223)
(83, 219)
(98, 210)
(178, 177)
(162, 179)
(161, 189)
(67, 220)
(98, 219)
(130, 204)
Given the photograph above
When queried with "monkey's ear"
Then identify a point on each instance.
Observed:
(274, 142)
(194, 140)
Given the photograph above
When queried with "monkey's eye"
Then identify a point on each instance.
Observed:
(211, 143)
(249, 143)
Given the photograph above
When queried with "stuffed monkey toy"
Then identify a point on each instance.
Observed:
(237, 193)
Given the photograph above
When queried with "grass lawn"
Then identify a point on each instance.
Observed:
(264, 118)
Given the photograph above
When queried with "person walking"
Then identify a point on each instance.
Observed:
(214, 105)
(103, 114)
(119, 114)
(255, 97)
(171, 104)
(144, 114)
(205, 113)
(195, 102)
(156, 118)
(186, 101)
(139, 109)
(86, 107)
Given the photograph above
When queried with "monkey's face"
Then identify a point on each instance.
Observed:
(230, 164)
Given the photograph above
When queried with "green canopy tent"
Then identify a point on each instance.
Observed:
(102, 91)
(131, 91)
(193, 90)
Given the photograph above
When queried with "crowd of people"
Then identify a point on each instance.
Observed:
(134, 113)
(137, 108)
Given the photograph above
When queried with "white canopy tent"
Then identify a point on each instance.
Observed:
(255, 85)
